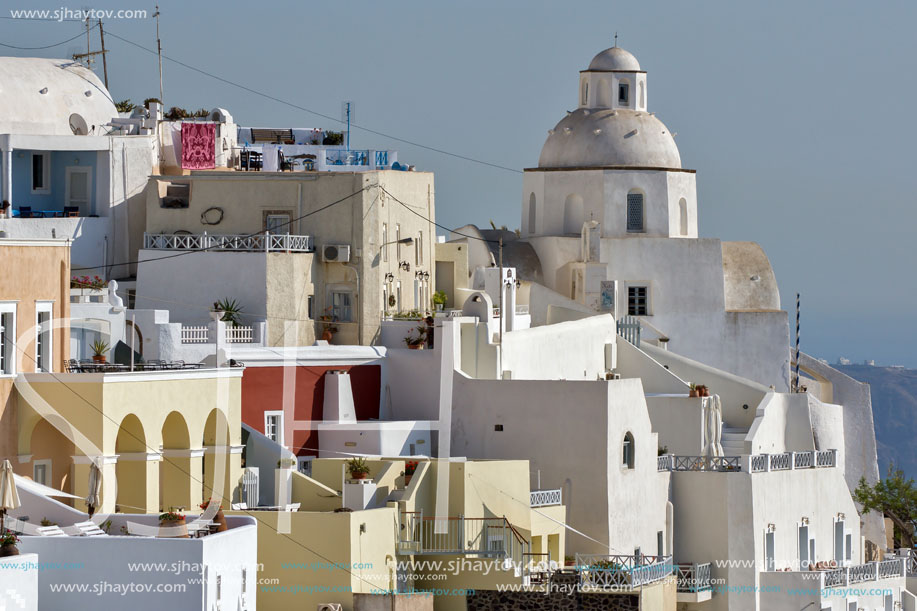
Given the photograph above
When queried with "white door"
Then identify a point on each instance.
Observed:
(769, 555)
(803, 548)
(78, 191)
(839, 541)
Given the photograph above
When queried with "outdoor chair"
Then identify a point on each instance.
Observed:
(51, 531)
(90, 529)
(70, 211)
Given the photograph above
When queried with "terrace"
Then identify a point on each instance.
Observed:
(258, 242)
(823, 586)
(619, 572)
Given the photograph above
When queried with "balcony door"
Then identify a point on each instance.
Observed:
(78, 191)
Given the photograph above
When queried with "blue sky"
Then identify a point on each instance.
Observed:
(794, 114)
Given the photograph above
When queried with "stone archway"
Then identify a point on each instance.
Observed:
(132, 470)
(178, 482)
(216, 467)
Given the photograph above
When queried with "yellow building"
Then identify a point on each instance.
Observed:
(484, 532)
(34, 307)
(163, 439)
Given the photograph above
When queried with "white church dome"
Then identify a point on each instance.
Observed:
(601, 138)
(51, 97)
(615, 58)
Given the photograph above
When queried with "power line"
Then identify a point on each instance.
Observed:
(315, 112)
(443, 227)
(57, 44)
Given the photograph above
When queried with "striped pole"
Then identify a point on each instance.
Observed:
(796, 376)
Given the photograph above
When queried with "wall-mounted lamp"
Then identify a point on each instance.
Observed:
(841, 516)
(771, 528)
(805, 521)
(390, 277)
(405, 266)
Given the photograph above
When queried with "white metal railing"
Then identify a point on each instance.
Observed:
(608, 572)
(542, 498)
(706, 463)
(195, 335)
(912, 565)
(757, 463)
(826, 458)
(694, 577)
(239, 335)
(861, 573)
(489, 537)
(803, 460)
(259, 242)
(781, 462)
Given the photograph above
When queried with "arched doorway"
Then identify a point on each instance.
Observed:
(131, 469)
(52, 455)
(216, 465)
(573, 214)
(176, 477)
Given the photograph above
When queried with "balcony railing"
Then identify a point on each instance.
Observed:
(259, 242)
(756, 463)
(543, 498)
(195, 335)
(488, 537)
(862, 573)
(239, 335)
(694, 577)
(621, 572)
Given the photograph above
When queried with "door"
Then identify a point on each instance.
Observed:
(78, 192)
(769, 551)
(839, 541)
(803, 548)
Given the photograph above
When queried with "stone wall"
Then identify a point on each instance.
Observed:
(492, 600)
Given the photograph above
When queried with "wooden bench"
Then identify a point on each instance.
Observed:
(272, 136)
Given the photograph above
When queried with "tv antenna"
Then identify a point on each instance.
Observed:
(347, 107)
(89, 55)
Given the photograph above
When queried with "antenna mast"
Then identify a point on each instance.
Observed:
(159, 52)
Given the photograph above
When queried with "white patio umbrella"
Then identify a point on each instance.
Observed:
(9, 498)
(95, 488)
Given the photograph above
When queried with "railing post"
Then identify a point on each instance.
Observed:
(267, 241)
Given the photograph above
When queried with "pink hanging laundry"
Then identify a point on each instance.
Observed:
(198, 151)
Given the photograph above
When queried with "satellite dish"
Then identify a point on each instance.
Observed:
(78, 125)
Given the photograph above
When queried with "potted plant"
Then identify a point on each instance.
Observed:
(99, 348)
(439, 300)
(692, 390)
(231, 310)
(172, 519)
(219, 517)
(358, 468)
(416, 342)
(328, 332)
(8, 541)
(409, 468)
(702, 390)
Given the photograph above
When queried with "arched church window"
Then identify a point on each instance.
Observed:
(623, 92)
(603, 97)
(683, 215)
(585, 92)
(533, 214)
(642, 94)
(635, 214)
(573, 214)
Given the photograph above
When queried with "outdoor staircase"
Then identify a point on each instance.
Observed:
(733, 441)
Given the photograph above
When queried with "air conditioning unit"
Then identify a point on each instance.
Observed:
(330, 607)
(336, 253)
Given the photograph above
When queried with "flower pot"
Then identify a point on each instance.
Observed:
(439, 307)
(415, 346)
(327, 335)
(358, 476)
(220, 519)
(8, 550)
(407, 479)
(182, 532)
(98, 358)
(693, 393)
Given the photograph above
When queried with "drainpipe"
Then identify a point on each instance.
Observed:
(356, 272)
(7, 192)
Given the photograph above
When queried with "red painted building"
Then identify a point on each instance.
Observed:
(288, 419)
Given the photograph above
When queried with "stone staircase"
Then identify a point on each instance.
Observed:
(733, 441)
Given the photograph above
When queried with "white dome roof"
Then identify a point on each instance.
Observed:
(600, 138)
(615, 58)
(69, 89)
